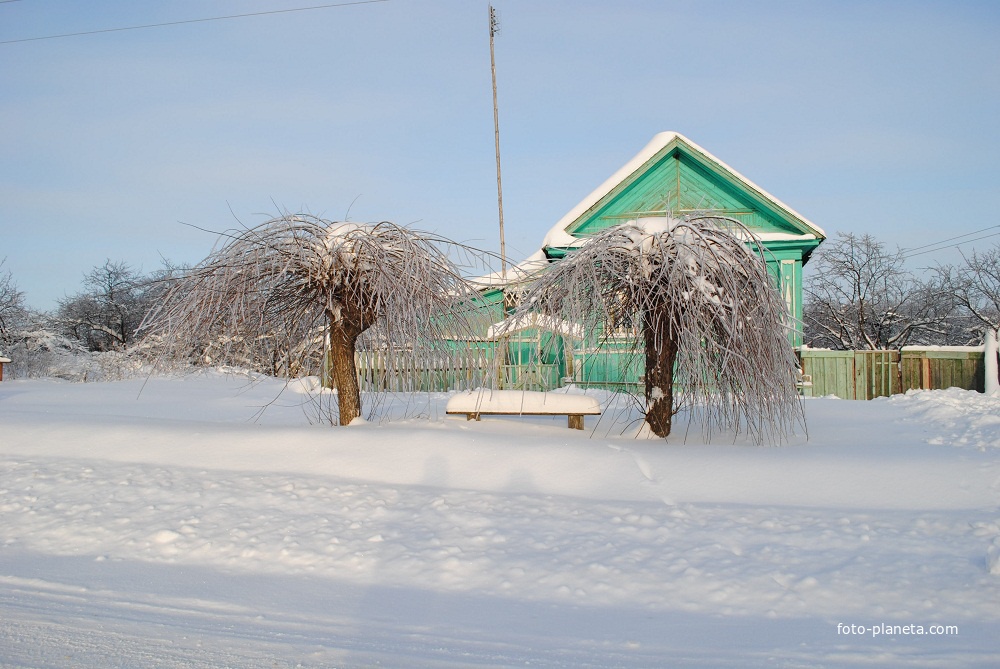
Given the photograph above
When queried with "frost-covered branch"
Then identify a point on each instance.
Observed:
(859, 295)
(12, 308)
(297, 283)
(976, 286)
(705, 313)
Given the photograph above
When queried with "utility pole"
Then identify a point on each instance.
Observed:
(494, 29)
(504, 348)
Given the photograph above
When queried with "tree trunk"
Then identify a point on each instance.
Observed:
(343, 369)
(661, 352)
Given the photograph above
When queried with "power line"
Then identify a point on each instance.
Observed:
(177, 23)
(942, 248)
(968, 234)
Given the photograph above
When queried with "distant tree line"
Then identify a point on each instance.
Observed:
(102, 318)
(859, 295)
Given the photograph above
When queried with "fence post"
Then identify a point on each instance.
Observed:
(860, 390)
(991, 385)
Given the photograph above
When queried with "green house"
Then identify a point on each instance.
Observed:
(671, 176)
(674, 175)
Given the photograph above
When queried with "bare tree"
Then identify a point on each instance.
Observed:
(106, 314)
(297, 280)
(859, 295)
(704, 313)
(12, 308)
(975, 285)
(29, 337)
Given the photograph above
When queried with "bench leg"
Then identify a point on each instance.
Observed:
(575, 421)
(471, 416)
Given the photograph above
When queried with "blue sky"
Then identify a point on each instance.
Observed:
(869, 117)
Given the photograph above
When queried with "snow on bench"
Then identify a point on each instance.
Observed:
(478, 403)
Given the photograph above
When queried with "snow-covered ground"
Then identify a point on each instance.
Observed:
(173, 523)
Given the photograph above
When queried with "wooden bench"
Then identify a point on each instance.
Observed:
(477, 403)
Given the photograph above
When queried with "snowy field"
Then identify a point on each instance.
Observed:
(173, 523)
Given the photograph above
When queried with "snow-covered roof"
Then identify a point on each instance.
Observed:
(522, 271)
(535, 320)
(558, 236)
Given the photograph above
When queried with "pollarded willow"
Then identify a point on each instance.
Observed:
(695, 295)
(298, 284)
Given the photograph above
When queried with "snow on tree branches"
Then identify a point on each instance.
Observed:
(859, 295)
(297, 283)
(699, 304)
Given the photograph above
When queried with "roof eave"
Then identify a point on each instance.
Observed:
(660, 144)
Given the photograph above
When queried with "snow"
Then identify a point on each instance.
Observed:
(522, 402)
(650, 226)
(512, 325)
(517, 273)
(765, 236)
(213, 521)
(952, 349)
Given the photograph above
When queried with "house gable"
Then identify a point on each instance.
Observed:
(672, 175)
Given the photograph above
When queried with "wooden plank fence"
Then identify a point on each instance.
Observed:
(951, 367)
(858, 375)
(864, 375)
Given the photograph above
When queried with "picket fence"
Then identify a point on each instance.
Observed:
(409, 371)
(860, 375)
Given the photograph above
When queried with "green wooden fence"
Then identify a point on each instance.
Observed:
(434, 371)
(864, 375)
(948, 367)
(847, 374)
